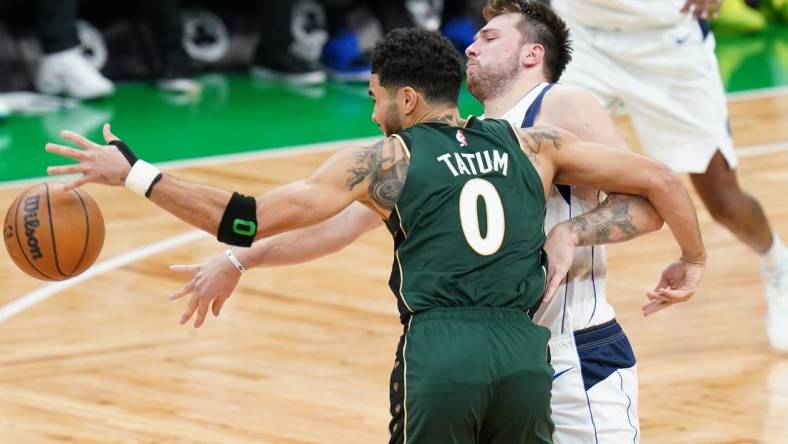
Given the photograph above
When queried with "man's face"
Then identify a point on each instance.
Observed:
(385, 112)
(494, 57)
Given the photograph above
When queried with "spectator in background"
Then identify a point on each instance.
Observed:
(174, 68)
(63, 70)
(461, 21)
(292, 34)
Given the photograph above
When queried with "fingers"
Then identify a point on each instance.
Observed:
(554, 279)
(108, 136)
(76, 183)
(184, 268)
(686, 6)
(193, 303)
(218, 303)
(676, 294)
(66, 169)
(670, 295)
(65, 151)
(188, 288)
(717, 7)
(653, 307)
(78, 139)
(201, 312)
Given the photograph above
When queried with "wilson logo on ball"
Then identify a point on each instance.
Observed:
(31, 225)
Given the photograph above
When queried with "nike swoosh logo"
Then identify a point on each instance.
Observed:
(682, 40)
(555, 376)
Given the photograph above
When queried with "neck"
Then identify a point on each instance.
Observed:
(449, 115)
(495, 107)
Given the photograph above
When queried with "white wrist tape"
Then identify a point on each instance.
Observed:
(238, 265)
(141, 176)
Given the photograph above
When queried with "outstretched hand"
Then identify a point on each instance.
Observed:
(560, 249)
(678, 283)
(702, 9)
(211, 284)
(103, 164)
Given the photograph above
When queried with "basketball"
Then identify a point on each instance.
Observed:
(53, 234)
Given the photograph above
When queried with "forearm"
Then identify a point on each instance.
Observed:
(620, 217)
(306, 244)
(197, 205)
(671, 200)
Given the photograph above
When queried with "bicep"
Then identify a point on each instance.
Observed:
(306, 202)
(601, 167)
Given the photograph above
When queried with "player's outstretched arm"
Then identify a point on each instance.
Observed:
(373, 175)
(218, 277)
(561, 157)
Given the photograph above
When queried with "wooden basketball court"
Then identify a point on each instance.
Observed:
(303, 354)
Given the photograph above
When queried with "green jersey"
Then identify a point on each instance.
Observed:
(468, 225)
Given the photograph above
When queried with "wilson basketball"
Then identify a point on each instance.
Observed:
(53, 234)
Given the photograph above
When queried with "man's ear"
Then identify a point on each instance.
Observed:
(408, 99)
(532, 55)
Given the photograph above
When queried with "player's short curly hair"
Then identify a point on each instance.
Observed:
(424, 60)
(540, 25)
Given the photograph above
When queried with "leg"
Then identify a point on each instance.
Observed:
(519, 410)
(437, 392)
(57, 28)
(292, 35)
(63, 69)
(733, 208)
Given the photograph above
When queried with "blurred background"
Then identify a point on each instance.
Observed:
(193, 78)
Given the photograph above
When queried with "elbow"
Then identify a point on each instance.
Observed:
(655, 222)
(664, 180)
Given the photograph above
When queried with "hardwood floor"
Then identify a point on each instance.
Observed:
(303, 354)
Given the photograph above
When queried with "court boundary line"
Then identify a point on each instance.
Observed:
(265, 153)
(736, 96)
(46, 291)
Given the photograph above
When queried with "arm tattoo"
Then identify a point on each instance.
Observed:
(386, 166)
(534, 139)
(610, 222)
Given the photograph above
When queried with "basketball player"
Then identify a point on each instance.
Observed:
(472, 363)
(523, 48)
(659, 61)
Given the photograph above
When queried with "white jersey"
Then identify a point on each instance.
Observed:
(625, 15)
(580, 301)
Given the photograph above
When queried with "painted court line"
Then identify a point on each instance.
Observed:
(219, 159)
(47, 291)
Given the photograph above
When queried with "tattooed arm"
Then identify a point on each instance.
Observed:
(559, 156)
(621, 216)
(373, 175)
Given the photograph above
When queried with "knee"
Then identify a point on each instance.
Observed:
(725, 207)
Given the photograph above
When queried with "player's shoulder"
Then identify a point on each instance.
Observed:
(568, 96)
(569, 106)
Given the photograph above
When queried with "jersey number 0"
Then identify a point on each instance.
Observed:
(469, 216)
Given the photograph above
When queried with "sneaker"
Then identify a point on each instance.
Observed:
(5, 111)
(776, 282)
(286, 67)
(69, 73)
(175, 75)
(344, 59)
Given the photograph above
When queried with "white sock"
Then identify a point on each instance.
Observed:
(776, 254)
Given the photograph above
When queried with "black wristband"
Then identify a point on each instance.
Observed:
(239, 221)
(125, 150)
(152, 184)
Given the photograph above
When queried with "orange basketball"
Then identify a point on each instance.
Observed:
(53, 234)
